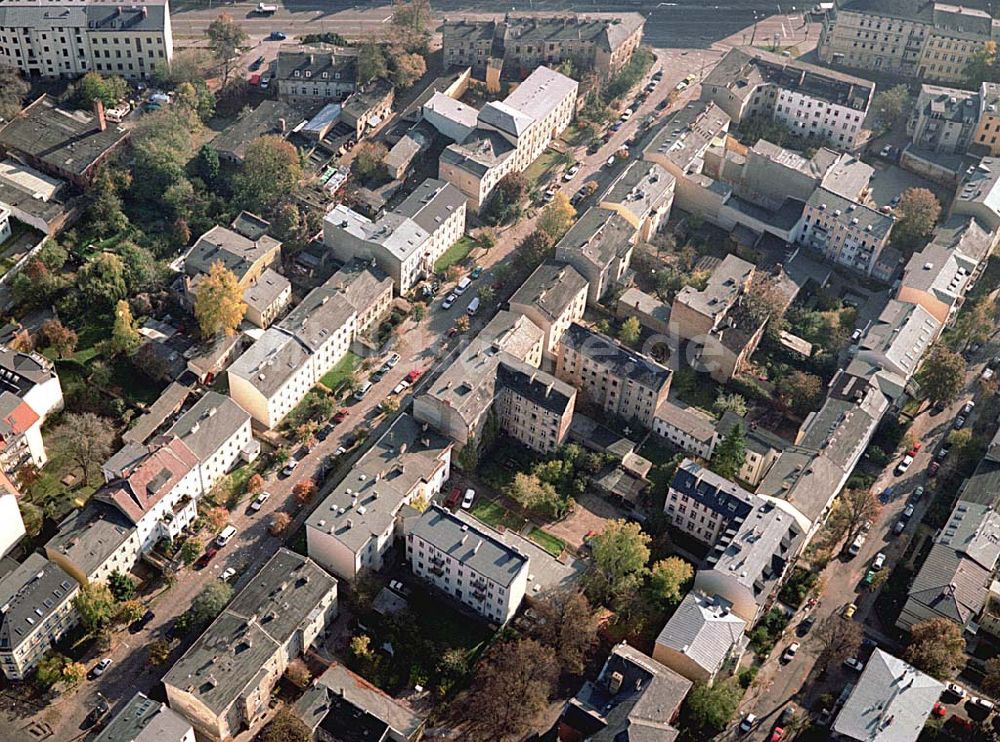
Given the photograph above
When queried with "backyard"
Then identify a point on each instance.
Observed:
(342, 372)
(455, 254)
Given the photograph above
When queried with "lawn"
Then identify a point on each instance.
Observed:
(547, 541)
(455, 254)
(494, 514)
(342, 372)
(544, 164)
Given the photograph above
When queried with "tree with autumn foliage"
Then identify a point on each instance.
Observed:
(218, 302)
(304, 490)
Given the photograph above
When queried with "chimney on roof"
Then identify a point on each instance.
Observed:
(281, 125)
(102, 123)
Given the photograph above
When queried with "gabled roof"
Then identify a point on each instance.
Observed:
(703, 629)
(505, 118)
(890, 702)
(165, 463)
(206, 427)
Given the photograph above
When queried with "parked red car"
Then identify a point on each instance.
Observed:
(205, 558)
(916, 448)
(341, 414)
(932, 468)
(454, 497)
(413, 375)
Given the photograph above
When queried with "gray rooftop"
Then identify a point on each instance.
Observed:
(899, 337)
(890, 702)
(722, 290)
(540, 93)
(166, 405)
(31, 593)
(534, 385)
(312, 63)
(689, 420)
(314, 320)
(394, 232)
(599, 235)
(703, 629)
(431, 204)
(551, 288)
(623, 362)
(364, 503)
(338, 685)
(145, 720)
(685, 134)
(850, 213)
(263, 616)
(270, 361)
(262, 294)
(474, 547)
(641, 188)
(268, 118)
(360, 282)
(759, 440)
(212, 421)
(981, 185)
(481, 151)
(89, 536)
(641, 710)
(235, 251)
(63, 139)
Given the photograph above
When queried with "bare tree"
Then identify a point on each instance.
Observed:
(568, 624)
(838, 639)
(852, 511)
(83, 438)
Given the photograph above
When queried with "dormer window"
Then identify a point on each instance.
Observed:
(298, 73)
(336, 75)
(326, 75)
(309, 73)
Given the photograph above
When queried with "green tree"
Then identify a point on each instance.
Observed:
(959, 439)
(125, 337)
(32, 516)
(730, 454)
(129, 611)
(83, 438)
(504, 204)
(62, 339)
(207, 165)
(218, 302)
(892, 105)
(210, 601)
(159, 652)
(368, 165)
(102, 280)
(801, 391)
(372, 62)
(707, 710)
(982, 66)
(620, 554)
(190, 551)
(729, 403)
(528, 491)
(92, 86)
(285, 727)
(96, 606)
(361, 648)
(271, 170)
(105, 211)
(630, 331)
(13, 88)
(406, 68)
(121, 585)
(941, 375)
(73, 673)
(52, 254)
(142, 272)
(557, 217)
(226, 40)
(668, 579)
(916, 216)
(937, 647)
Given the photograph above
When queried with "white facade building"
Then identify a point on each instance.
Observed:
(68, 38)
(468, 563)
(216, 430)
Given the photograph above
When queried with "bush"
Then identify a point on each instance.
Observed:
(747, 675)
(797, 587)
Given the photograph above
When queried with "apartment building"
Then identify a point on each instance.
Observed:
(144, 720)
(366, 288)
(984, 140)
(73, 37)
(702, 504)
(11, 523)
(602, 42)
(278, 370)
(686, 428)
(890, 701)
(978, 194)
(898, 338)
(762, 447)
(533, 407)
(457, 403)
(918, 39)
(36, 611)
(702, 639)
(467, 563)
(599, 245)
(748, 561)
(813, 102)
(353, 528)
(266, 298)
(158, 492)
(217, 431)
(552, 297)
(33, 198)
(223, 682)
(64, 143)
(679, 146)
(642, 195)
(29, 393)
(620, 381)
(945, 120)
(509, 135)
(846, 232)
(404, 243)
(312, 77)
(93, 542)
(938, 277)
